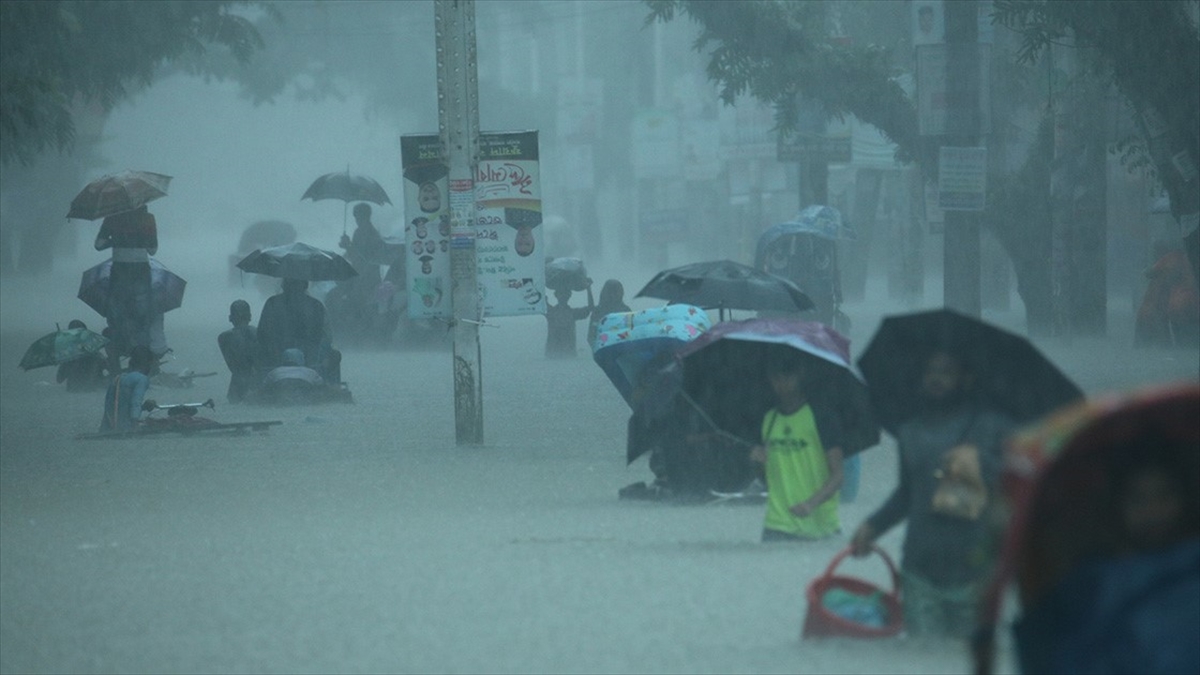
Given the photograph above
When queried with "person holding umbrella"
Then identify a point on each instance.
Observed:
(86, 373)
(133, 237)
(950, 457)
(362, 252)
(951, 389)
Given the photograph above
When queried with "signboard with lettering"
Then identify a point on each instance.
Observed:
(507, 233)
(796, 146)
(962, 179)
(508, 219)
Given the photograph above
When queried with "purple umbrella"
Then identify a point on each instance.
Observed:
(725, 374)
(166, 288)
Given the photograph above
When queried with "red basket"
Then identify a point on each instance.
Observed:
(820, 622)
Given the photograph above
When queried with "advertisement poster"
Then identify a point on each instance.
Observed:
(426, 227)
(508, 219)
(508, 233)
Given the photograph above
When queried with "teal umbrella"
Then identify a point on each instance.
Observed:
(62, 346)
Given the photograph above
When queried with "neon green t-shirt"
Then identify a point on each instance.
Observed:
(796, 469)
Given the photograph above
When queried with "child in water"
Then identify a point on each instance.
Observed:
(802, 451)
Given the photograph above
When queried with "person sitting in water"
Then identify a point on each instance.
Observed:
(294, 319)
(126, 397)
(238, 345)
(87, 373)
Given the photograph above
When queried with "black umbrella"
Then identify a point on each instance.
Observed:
(724, 284)
(298, 261)
(1009, 372)
(347, 187)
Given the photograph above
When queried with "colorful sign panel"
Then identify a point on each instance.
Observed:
(507, 233)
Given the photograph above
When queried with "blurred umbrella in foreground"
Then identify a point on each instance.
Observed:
(298, 261)
(166, 287)
(62, 346)
(724, 284)
(1101, 589)
(1009, 372)
(118, 192)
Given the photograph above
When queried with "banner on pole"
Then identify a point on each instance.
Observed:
(509, 242)
(426, 227)
(507, 235)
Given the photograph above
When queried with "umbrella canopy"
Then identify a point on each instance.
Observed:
(725, 370)
(1060, 485)
(62, 346)
(566, 273)
(1010, 374)
(298, 261)
(347, 187)
(118, 192)
(166, 288)
(725, 284)
(626, 342)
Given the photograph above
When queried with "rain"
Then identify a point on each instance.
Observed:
(819, 171)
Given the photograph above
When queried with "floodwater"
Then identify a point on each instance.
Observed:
(359, 538)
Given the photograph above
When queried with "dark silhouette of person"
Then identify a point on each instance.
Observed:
(560, 322)
(133, 237)
(239, 345)
(87, 373)
(612, 300)
(295, 319)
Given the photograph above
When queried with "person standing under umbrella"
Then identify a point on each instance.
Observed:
(802, 454)
(950, 457)
(362, 251)
(133, 237)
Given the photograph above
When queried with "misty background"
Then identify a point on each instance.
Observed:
(359, 538)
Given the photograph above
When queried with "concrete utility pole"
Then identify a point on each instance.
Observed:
(961, 255)
(458, 128)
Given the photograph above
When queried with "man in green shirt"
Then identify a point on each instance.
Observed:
(802, 451)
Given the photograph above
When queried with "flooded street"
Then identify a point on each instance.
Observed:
(358, 538)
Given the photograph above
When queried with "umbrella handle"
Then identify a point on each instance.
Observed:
(719, 431)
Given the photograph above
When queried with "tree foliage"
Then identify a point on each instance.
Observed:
(1149, 51)
(776, 51)
(57, 53)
